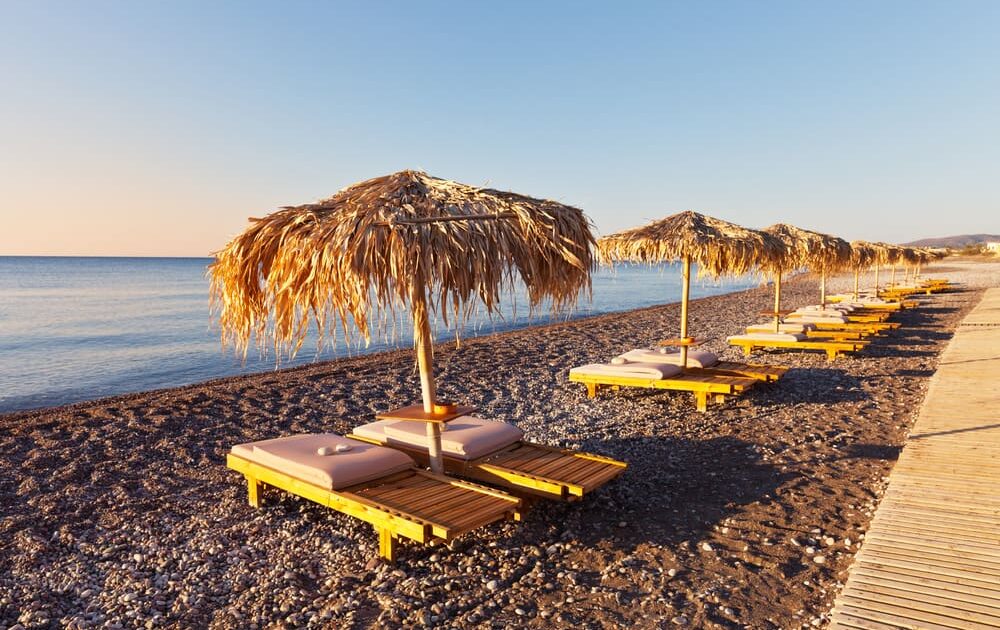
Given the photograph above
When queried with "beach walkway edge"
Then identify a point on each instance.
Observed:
(931, 558)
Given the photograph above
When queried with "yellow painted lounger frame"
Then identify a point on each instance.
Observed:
(413, 504)
(702, 385)
(832, 348)
(839, 334)
(526, 469)
(871, 328)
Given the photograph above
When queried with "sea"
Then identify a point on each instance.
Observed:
(79, 328)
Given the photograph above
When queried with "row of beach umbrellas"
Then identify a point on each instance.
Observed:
(437, 248)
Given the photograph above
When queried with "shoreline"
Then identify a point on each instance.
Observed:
(840, 282)
(361, 356)
(121, 511)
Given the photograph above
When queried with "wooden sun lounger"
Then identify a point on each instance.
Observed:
(757, 371)
(833, 348)
(866, 318)
(872, 328)
(532, 470)
(701, 385)
(413, 504)
(829, 333)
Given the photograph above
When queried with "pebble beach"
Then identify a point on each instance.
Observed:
(120, 512)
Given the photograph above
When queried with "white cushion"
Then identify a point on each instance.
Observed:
(835, 308)
(466, 437)
(695, 358)
(657, 371)
(816, 318)
(373, 430)
(796, 327)
(297, 456)
(768, 336)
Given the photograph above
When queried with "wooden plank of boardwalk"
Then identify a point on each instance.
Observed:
(931, 558)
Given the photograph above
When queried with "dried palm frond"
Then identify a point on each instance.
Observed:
(879, 253)
(405, 238)
(819, 252)
(863, 254)
(716, 246)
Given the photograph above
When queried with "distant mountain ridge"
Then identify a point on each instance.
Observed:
(954, 241)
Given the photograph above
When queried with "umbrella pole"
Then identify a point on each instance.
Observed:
(685, 296)
(876, 280)
(777, 302)
(892, 281)
(857, 274)
(822, 289)
(425, 363)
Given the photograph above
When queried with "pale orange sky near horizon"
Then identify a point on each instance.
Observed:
(156, 129)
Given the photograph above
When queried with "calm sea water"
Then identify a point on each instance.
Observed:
(74, 329)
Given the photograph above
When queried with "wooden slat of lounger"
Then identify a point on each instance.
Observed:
(570, 468)
(516, 458)
(473, 519)
(488, 506)
(536, 465)
(566, 470)
(453, 511)
(599, 477)
(567, 467)
(423, 500)
(398, 491)
(460, 499)
(397, 486)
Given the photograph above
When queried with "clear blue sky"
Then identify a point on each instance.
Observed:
(158, 127)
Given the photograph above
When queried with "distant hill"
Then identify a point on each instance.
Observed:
(954, 241)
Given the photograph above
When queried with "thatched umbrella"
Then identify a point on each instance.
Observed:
(819, 252)
(717, 247)
(406, 239)
(896, 254)
(881, 254)
(863, 255)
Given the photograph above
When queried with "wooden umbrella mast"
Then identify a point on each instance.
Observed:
(777, 301)
(685, 297)
(424, 343)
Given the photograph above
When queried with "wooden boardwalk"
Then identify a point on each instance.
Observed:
(931, 558)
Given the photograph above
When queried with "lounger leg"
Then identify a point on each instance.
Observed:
(591, 390)
(254, 488)
(720, 398)
(831, 354)
(701, 400)
(747, 350)
(386, 544)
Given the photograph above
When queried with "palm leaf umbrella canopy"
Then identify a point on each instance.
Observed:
(406, 239)
(879, 254)
(895, 255)
(863, 256)
(820, 253)
(716, 246)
